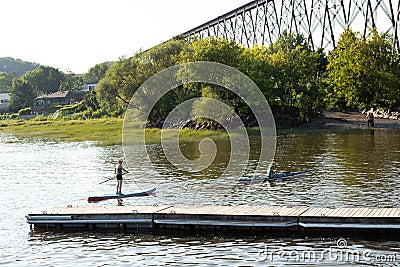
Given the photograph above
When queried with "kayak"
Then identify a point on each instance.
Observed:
(279, 176)
(114, 196)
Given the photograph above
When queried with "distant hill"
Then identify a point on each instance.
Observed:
(8, 64)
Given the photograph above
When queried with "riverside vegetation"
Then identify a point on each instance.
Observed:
(104, 132)
(298, 82)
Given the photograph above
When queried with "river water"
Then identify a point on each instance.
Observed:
(355, 168)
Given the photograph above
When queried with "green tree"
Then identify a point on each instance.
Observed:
(117, 78)
(215, 50)
(72, 82)
(42, 80)
(45, 80)
(125, 76)
(255, 64)
(22, 95)
(363, 72)
(96, 73)
(382, 69)
(6, 79)
(296, 69)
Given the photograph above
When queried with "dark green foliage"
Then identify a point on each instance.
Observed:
(287, 73)
(363, 73)
(69, 109)
(96, 73)
(42, 80)
(125, 76)
(45, 80)
(22, 94)
(6, 79)
(297, 81)
(295, 70)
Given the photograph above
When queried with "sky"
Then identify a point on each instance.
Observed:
(75, 35)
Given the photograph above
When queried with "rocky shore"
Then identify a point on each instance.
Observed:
(328, 119)
(384, 114)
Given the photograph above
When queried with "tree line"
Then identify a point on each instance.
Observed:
(295, 79)
(17, 67)
(360, 73)
(44, 80)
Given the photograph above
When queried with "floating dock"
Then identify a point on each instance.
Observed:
(273, 220)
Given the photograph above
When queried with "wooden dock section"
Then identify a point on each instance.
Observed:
(267, 220)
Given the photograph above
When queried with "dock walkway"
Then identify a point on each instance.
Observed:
(265, 219)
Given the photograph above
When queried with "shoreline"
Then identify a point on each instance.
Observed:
(109, 131)
(349, 120)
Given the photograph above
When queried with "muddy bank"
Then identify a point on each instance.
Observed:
(332, 119)
(328, 119)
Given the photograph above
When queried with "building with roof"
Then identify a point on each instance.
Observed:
(89, 86)
(59, 98)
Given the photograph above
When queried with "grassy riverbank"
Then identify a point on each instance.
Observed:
(109, 131)
(103, 131)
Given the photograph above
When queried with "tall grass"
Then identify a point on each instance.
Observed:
(108, 131)
(103, 131)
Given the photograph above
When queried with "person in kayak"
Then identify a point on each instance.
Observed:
(119, 171)
(272, 172)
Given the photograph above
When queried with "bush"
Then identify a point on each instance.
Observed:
(25, 111)
(13, 116)
(77, 116)
(40, 118)
(98, 114)
(70, 109)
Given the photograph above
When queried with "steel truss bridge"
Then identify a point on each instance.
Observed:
(320, 21)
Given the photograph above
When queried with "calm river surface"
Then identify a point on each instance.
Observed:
(354, 168)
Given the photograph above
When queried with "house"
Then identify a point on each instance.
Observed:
(52, 98)
(59, 98)
(4, 100)
(89, 86)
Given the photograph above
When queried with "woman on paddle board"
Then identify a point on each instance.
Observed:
(118, 171)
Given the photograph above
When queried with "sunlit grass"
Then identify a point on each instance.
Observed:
(103, 131)
(109, 131)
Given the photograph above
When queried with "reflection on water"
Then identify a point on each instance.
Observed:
(354, 168)
(349, 169)
(152, 250)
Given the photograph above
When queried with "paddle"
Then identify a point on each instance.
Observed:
(111, 178)
(106, 180)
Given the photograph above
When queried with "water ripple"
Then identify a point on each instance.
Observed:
(348, 170)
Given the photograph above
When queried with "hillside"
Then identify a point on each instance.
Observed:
(9, 65)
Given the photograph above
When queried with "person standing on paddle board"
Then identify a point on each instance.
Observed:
(118, 171)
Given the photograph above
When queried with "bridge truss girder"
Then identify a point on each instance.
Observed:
(320, 21)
